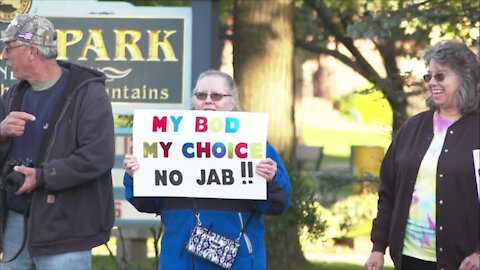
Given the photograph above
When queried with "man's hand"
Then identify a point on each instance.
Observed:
(30, 179)
(14, 124)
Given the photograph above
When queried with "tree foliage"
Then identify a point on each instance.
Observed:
(282, 233)
(396, 28)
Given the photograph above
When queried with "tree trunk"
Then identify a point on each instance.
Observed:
(393, 90)
(263, 68)
(393, 86)
(263, 65)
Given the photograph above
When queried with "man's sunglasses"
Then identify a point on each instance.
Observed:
(439, 77)
(8, 49)
(213, 96)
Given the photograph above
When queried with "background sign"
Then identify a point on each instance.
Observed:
(202, 154)
(145, 52)
(143, 59)
(12, 8)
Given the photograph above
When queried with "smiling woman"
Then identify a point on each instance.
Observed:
(444, 87)
(454, 91)
(428, 199)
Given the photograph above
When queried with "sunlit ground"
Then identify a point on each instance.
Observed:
(327, 252)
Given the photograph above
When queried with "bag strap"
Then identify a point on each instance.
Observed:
(197, 213)
(250, 217)
(16, 106)
(244, 227)
(24, 241)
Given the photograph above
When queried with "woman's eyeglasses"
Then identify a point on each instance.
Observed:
(439, 77)
(213, 96)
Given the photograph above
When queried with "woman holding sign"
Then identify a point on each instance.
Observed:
(429, 205)
(208, 233)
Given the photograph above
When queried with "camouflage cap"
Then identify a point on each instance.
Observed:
(32, 29)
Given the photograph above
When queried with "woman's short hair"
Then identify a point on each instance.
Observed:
(230, 85)
(457, 56)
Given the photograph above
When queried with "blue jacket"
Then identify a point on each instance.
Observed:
(225, 216)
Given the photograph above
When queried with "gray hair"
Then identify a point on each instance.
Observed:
(49, 52)
(230, 85)
(457, 56)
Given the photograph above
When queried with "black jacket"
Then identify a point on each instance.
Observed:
(74, 169)
(458, 206)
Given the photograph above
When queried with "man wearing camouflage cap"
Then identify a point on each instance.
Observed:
(32, 29)
(57, 131)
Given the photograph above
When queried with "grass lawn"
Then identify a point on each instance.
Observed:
(341, 266)
(101, 262)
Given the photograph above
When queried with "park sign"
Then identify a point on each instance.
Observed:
(201, 154)
(144, 52)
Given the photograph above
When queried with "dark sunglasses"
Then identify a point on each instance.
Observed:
(213, 96)
(439, 77)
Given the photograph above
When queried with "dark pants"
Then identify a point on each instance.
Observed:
(409, 263)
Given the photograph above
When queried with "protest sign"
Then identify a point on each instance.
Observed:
(203, 154)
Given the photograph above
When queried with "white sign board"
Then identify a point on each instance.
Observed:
(202, 154)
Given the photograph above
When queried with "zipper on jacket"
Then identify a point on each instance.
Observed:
(249, 247)
(54, 133)
(50, 145)
(247, 241)
(65, 107)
